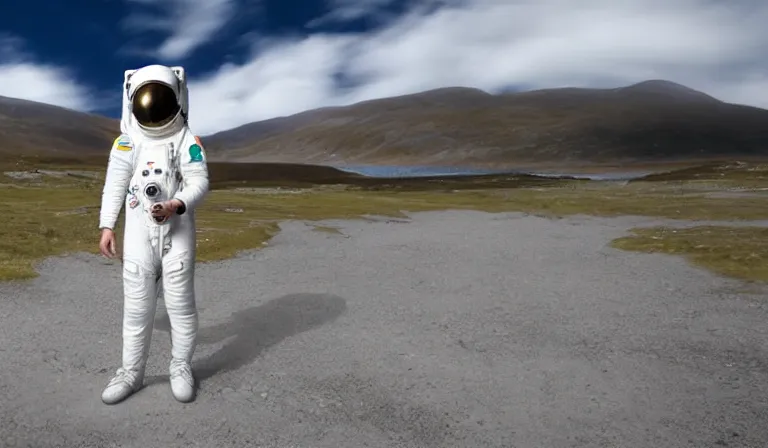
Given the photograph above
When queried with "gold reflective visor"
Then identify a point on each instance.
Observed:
(154, 105)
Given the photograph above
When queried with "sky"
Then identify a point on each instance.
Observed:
(251, 60)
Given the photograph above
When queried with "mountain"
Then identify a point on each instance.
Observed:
(650, 121)
(32, 128)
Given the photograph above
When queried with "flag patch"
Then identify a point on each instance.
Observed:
(122, 143)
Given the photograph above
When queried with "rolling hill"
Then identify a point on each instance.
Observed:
(653, 121)
(37, 129)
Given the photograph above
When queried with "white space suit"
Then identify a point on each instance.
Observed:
(155, 159)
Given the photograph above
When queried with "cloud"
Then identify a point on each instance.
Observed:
(348, 10)
(22, 77)
(710, 46)
(192, 23)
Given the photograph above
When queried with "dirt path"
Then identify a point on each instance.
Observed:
(457, 329)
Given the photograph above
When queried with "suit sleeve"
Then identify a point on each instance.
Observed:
(194, 171)
(119, 172)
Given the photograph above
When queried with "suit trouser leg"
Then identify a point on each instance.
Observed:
(140, 291)
(179, 294)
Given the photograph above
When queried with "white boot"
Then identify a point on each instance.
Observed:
(122, 385)
(182, 381)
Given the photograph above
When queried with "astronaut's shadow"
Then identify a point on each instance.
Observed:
(254, 329)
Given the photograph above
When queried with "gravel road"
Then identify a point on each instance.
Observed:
(453, 329)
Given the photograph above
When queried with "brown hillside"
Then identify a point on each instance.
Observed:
(643, 123)
(653, 121)
(31, 128)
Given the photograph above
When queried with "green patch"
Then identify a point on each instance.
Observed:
(195, 153)
(56, 214)
(737, 252)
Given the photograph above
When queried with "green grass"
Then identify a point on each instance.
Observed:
(737, 252)
(56, 215)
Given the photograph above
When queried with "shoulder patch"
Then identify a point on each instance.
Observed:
(122, 143)
(195, 153)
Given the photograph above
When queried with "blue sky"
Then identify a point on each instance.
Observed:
(250, 60)
(98, 39)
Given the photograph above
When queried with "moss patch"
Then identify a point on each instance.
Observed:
(53, 215)
(738, 252)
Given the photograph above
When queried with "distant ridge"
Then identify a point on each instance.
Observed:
(648, 122)
(32, 128)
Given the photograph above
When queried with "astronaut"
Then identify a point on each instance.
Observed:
(158, 169)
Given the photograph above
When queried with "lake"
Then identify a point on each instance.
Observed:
(391, 171)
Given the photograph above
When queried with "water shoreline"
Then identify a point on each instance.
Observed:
(417, 171)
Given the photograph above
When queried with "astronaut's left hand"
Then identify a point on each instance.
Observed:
(161, 211)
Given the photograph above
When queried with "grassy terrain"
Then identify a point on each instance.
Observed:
(739, 252)
(50, 215)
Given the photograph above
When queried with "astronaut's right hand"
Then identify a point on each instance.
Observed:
(107, 244)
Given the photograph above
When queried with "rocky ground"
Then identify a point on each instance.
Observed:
(452, 329)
